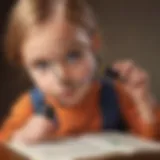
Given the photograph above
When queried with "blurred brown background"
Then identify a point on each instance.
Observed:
(131, 29)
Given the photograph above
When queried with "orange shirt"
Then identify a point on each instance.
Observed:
(81, 118)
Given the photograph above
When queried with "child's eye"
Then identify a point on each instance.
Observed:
(73, 56)
(42, 64)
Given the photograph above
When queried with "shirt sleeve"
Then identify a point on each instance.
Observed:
(134, 120)
(19, 115)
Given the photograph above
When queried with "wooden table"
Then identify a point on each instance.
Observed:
(8, 154)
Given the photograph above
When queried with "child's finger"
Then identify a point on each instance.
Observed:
(124, 67)
(137, 78)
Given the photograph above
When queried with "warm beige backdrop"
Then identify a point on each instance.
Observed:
(131, 29)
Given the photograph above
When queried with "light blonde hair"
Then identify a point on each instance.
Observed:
(27, 13)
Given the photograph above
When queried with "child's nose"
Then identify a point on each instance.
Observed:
(61, 71)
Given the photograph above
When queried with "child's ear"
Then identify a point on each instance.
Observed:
(96, 41)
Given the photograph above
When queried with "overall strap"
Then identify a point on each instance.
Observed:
(39, 104)
(110, 107)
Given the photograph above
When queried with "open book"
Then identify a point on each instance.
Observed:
(86, 146)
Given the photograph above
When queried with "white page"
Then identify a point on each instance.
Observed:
(69, 149)
(86, 146)
(120, 140)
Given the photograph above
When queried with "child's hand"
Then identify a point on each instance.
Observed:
(37, 129)
(136, 83)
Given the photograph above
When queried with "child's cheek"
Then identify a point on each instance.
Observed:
(85, 71)
(42, 82)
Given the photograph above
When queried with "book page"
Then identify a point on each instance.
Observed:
(120, 140)
(86, 146)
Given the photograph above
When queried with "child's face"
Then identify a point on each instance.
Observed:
(59, 59)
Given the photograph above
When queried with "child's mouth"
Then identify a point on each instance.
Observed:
(68, 93)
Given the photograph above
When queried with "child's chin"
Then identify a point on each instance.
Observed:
(70, 101)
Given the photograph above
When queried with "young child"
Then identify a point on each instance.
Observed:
(56, 41)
